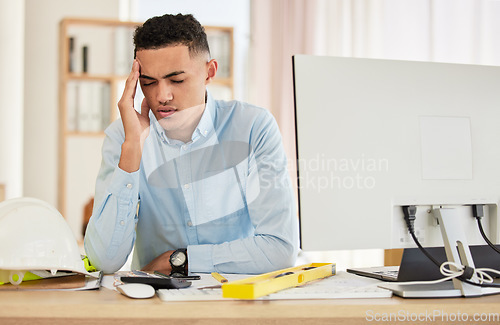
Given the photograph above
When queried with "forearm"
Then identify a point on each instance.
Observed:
(111, 231)
(253, 255)
(131, 154)
(273, 244)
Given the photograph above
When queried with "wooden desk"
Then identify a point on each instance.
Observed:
(105, 306)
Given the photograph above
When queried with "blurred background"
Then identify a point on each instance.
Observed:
(265, 34)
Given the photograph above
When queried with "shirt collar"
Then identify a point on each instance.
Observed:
(204, 127)
(206, 124)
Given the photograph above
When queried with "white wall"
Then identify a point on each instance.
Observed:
(41, 87)
(234, 13)
(11, 95)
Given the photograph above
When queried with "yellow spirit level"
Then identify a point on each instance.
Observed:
(267, 283)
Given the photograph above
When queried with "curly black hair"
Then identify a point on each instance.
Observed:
(161, 31)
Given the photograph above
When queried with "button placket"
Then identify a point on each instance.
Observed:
(185, 177)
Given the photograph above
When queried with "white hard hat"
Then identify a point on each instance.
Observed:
(35, 236)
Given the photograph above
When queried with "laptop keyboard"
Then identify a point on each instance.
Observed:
(388, 273)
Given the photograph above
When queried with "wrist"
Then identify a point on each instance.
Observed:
(131, 154)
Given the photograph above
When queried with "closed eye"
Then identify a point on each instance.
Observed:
(147, 81)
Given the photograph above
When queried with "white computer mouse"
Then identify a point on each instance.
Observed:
(136, 290)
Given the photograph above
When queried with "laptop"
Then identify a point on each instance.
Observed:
(415, 266)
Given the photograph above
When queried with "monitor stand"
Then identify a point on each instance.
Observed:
(457, 251)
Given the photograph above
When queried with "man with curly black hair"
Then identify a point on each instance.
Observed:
(195, 184)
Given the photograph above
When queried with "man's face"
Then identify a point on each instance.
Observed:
(174, 85)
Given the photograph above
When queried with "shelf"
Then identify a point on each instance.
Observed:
(85, 134)
(97, 77)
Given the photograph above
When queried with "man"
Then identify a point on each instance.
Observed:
(196, 184)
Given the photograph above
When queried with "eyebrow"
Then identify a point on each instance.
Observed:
(172, 74)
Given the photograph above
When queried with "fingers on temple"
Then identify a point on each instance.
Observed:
(131, 83)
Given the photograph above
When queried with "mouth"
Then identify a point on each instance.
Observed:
(166, 111)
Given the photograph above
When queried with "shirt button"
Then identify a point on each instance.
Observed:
(186, 186)
(205, 132)
(184, 147)
(122, 223)
(129, 185)
(190, 224)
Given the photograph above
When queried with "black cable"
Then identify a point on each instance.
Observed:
(423, 250)
(410, 212)
(486, 238)
(478, 213)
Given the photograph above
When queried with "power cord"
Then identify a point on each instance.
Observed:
(478, 213)
(463, 273)
(410, 212)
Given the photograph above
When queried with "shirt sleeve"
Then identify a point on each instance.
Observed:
(110, 234)
(272, 210)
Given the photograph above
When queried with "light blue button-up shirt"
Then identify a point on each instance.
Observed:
(225, 196)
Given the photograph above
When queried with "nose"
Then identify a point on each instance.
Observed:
(164, 94)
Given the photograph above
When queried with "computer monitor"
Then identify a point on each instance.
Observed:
(375, 135)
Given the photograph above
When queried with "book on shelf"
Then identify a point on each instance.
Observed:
(123, 50)
(220, 48)
(88, 106)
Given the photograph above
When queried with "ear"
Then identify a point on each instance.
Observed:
(212, 66)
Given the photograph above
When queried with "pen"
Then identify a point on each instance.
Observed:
(219, 277)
